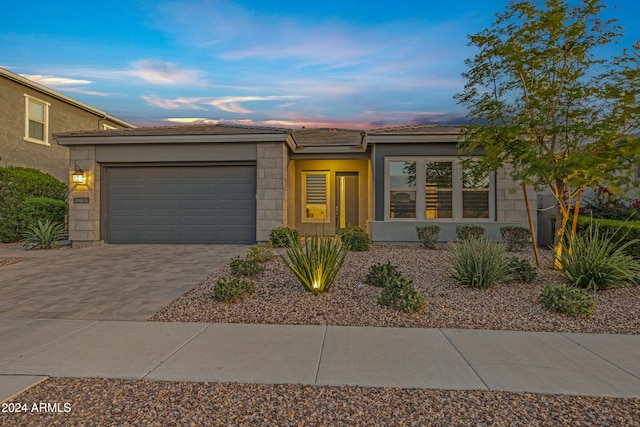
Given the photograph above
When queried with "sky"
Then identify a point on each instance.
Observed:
(321, 63)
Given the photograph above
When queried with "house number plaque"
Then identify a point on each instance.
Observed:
(80, 200)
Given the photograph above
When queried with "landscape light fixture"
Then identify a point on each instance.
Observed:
(78, 176)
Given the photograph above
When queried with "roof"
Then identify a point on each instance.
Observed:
(176, 130)
(305, 140)
(327, 136)
(52, 93)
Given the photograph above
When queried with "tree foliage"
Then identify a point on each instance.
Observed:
(542, 97)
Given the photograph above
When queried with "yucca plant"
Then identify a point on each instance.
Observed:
(479, 263)
(317, 261)
(595, 261)
(43, 235)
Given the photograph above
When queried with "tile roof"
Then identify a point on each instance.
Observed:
(179, 130)
(327, 136)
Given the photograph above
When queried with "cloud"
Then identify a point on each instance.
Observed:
(164, 73)
(52, 81)
(175, 104)
(230, 104)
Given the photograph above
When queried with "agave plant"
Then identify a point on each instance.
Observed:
(316, 263)
(43, 235)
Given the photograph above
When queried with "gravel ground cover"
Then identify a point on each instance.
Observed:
(11, 260)
(280, 299)
(101, 402)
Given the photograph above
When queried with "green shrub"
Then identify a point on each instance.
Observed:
(470, 231)
(479, 263)
(563, 299)
(380, 274)
(316, 263)
(232, 290)
(260, 253)
(515, 236)
(356, 238)
(245, 266)
(18, 184)
(428, 235)
(279, 237)
(622, 232)
(596, 261)
(522, 270)
(400, 294)
(33, 209)
(43, 235)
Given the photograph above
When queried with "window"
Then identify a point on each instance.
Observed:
(107, 127)
(36, 120)
(315, 196)
(452, 190)
(402, 185)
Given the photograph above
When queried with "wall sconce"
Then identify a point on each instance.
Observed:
(78, 176)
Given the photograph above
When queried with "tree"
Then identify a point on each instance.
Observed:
(542, 97)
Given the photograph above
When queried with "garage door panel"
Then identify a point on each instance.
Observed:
(181, 204)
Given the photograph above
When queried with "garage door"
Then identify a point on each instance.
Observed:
(181, 204)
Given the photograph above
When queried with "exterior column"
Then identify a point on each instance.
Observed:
(84, 199)
(271, 197)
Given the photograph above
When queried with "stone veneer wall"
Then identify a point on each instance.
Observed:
(84, 218)
(511, 203)
(271, 188)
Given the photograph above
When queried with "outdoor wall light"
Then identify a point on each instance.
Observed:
(78, 176)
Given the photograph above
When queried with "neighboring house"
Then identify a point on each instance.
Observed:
(232, 184)
(31, 113)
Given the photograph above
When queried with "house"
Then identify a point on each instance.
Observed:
(31, 113)
(234, 184)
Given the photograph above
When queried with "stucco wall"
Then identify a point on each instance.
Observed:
(15, 151)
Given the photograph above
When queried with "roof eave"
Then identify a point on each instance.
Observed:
(166, 139)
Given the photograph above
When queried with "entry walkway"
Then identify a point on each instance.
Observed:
(580, 364)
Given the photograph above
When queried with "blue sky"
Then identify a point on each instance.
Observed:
(350, 64)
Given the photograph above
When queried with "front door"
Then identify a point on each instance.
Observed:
(347, 199)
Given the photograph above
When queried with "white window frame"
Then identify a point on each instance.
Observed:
(420, 190)
(28, 99)
(327, 217)
(107, 127)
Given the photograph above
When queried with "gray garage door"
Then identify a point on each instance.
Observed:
(181, 204)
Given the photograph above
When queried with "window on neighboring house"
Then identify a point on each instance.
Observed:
(451, 191)
(36, 120)
(315, 196)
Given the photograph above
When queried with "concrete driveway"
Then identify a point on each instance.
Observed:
(107, 282)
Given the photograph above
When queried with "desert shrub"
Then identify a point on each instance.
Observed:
(380, 274)
(606, 205)
(279, 237)
(623, 233)
(400, 294)
(356, 238)
(245, 266)
(479, 263)
(33, 209)
(596, 261)
(42, 235)
(315, 263)
(522, 270)
(232, 290)
(260, 253)
(515, 236)
(18, 184)
(567, 300)
(428, 235)
(470, 231)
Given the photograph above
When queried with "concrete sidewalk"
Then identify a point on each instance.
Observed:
(580, 364)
